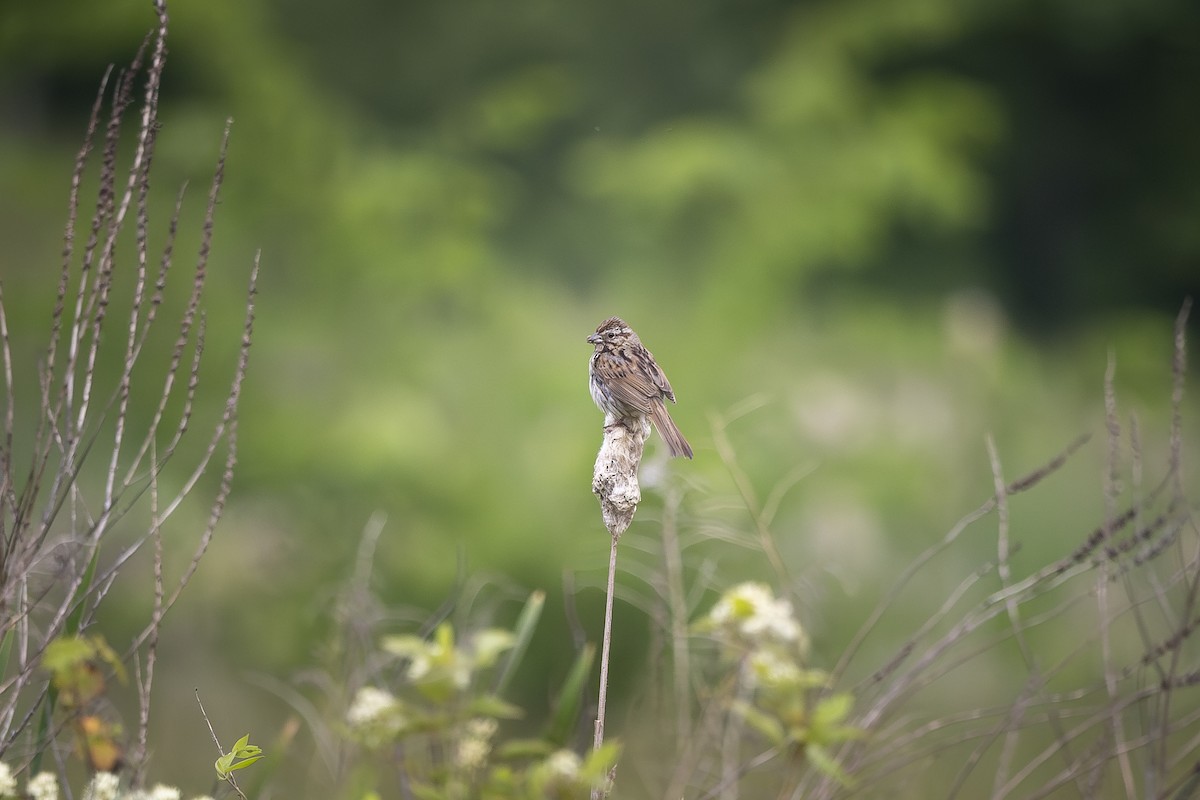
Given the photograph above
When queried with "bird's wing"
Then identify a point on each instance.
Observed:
(659, 378)
(635, 387)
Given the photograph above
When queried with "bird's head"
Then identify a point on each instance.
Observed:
(612, 331)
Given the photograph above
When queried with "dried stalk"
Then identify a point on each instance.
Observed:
(52, 523)
(615, 483)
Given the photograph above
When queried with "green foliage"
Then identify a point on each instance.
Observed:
(770, 688)
(76, 665)
(442, 671)
(240, 756)
(564, 776)
(465, 213)
(571, 698)
(446, 724)
(523, 632)
(794, 204)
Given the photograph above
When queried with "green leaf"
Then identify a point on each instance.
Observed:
(826, 764)
(600, 761)
(105, 653)
(444, 636)
(437, 686)
(770, 727)
(569, 704)
(840, 733)
(487, 645)
(813, 679)
(6, 647)
(826, 726)
(75, 621)
(45, 719)
(525, 748)
(833, 709)
(425, 791)
(246, 763)
(66, 652)
(491, 706)
(522, 634)
(502, 783)
(240, 756)
(404, 645)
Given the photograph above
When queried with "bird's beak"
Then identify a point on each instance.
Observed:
(594, 339)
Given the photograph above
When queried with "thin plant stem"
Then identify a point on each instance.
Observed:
(598, 738)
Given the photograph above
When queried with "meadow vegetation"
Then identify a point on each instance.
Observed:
(920, 553)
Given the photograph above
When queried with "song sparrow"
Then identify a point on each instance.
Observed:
(626, 383)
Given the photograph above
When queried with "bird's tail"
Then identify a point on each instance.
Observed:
(670, 432)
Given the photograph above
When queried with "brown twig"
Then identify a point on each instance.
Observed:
(1112, 425)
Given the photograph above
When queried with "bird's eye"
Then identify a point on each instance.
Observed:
(611, 334)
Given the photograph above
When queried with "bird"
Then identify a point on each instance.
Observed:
(626, 383)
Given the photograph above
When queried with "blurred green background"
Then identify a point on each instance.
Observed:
(859, 235)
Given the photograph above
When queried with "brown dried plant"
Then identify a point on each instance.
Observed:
(81, 465)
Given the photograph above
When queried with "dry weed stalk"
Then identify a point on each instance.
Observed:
(1126, 731)
(54, 514)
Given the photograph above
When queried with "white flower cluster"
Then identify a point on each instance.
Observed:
(43, 786)
(103, 786)
(751, 612)
(375, 715)
(8, 784)
(564, 773)
(563, 765)
(159, 792)
(440, 658)
(475, 747)
(768, 667)
(370, 705)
